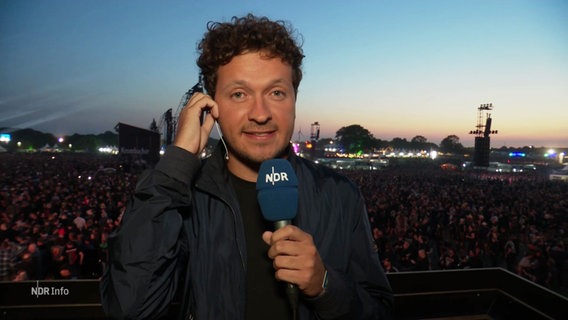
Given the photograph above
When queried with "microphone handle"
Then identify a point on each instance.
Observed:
(293, 295)
(291, 289)
(281, 224)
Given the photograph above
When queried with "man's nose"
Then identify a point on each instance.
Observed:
(260, 111)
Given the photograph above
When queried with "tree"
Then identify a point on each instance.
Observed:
(355, 138)
(399, 143)
(451, 144)
(108, 138)
(421, 143)
(419, 139)
(31, 138)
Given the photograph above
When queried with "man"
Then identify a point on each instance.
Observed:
(199, 226)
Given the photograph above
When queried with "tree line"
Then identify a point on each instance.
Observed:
(30, 139)
(355, 138)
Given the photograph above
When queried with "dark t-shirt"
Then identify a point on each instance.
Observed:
(265, 296)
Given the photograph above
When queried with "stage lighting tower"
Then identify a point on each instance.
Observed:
(482, 134)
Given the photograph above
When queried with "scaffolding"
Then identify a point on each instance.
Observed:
(483, 126)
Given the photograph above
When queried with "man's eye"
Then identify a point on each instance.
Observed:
(278, 93)
(238, 95)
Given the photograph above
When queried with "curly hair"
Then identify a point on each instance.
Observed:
(223, 41)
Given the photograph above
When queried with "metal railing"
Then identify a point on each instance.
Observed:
(457, 294)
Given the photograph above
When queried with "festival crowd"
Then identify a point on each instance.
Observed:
(57, 211)
(424, 218)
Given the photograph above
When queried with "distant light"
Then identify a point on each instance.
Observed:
(60, 139)
(550, 153)
(517, 154)
(433, 154)
(296, 148)
(109, 150)
(5, 137)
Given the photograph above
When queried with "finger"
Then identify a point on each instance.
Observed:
(206, 128)
(287, 275)
(190, 135)
(290, 240)
(304, 250)
(196, 105)
(284, 247)
(300, 277)
(266, 236)
(307, 274)
(286, 233)
(288, 262)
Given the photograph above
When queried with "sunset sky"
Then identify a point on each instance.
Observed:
(398, 68)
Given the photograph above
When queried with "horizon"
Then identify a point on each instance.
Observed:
(398, 69)
(4, 130)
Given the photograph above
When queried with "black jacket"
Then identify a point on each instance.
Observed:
(184, 223)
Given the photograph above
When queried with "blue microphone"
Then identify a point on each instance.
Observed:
(277, 193)
(277, 187)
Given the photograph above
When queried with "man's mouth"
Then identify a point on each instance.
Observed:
(259, 134)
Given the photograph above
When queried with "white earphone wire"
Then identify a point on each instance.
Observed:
(223, 141)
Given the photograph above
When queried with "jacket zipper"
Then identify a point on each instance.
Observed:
(235, 224)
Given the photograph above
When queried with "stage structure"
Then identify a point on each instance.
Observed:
(166, 127)
(168, 121)
(314, 137)
(482, 134)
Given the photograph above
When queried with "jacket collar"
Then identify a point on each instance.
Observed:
(214, 176)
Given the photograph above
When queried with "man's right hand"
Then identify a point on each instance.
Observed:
(190, 134)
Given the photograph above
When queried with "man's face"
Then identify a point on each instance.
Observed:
(256, 102)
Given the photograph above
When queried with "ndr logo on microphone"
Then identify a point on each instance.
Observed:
(49, 291)
(274, 177)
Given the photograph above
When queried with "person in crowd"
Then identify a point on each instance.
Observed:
(6, 260)
(73, 258)
(527, 266)
(202, 220)
(422, 261)
(510, 254)
(57, 263)
(388, 267)
(79, 221)
(406, 254)
(449, 259)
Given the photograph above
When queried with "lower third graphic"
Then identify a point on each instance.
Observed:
(49, 291)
